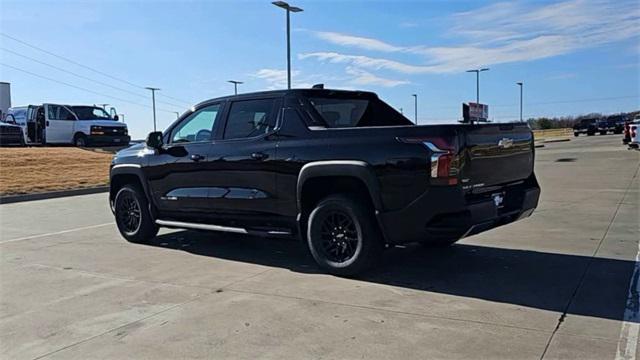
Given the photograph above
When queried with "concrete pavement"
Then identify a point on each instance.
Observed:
(556, 285)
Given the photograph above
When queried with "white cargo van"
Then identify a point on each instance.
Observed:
(81, 125)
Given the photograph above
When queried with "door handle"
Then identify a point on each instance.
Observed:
(197, 157)
(259, 156)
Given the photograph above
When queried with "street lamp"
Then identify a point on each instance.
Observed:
(235, 85)
(478, 71)
(153, 99)
(415, 105)
(521, 84)
(104, 106)
(289, 9)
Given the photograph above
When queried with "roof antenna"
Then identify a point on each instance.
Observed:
(318, 86)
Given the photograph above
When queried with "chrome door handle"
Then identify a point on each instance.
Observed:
(259, 156)
(197, 157)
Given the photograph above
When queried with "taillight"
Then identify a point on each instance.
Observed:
(443, 160)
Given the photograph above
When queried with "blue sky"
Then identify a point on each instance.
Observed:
(574, 57)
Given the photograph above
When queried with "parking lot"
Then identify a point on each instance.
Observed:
(556, 285)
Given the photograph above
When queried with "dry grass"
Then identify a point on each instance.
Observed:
(32, 170)
(539, 135)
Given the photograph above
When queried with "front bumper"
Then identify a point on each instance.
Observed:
(446, 213)
(108, 140)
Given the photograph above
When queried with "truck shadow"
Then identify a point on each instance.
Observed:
(521, 277)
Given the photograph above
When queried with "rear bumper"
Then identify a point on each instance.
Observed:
(108, 140)
(445, 213)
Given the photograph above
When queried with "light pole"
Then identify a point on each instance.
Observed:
(121, 116)
(153, 99)
(235, 85)
(401, 111)
(521, 84)
(177, 114)
(415, 105)
(478, 71)
(104, 106)
(289, 9)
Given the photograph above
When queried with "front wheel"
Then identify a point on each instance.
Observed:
(80, 140)
(343, 236)
(132, 215)
(576, 134)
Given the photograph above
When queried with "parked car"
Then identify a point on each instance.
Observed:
(10, 133)
(627, 129)
(634, 132)
(81, 125)
(586, 126)
(616, 123)
(341, 170)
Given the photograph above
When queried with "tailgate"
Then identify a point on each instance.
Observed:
(494, 154)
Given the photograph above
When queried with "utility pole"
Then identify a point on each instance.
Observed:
(415, 105)
(153, 99)
(521, 84)
(235, 85)
(289, 9)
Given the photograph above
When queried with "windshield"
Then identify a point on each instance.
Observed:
(90, 113)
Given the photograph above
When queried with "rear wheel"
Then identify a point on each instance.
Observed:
(576, 134)
(343, 236)
(603, 133)
(132, 215)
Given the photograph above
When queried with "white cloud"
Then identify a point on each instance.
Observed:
(362, 77)
(501, 33)
(356, 41)
(367, 62)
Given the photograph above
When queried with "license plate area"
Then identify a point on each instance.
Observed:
(499, 199)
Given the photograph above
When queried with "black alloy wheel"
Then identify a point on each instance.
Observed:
(343, 235)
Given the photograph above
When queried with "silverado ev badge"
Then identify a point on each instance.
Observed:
(505, 143)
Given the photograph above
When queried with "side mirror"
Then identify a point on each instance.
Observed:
(154, 140)
(116, 117)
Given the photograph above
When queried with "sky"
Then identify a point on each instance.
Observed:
(574, 57)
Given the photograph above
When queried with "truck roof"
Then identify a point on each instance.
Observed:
(285, 92)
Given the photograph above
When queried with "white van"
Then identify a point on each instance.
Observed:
(81, 125)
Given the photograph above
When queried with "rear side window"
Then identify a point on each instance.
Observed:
(250, 118)
(340, 112)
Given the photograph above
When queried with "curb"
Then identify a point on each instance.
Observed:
(52, 194)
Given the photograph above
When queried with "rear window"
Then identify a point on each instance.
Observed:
(341, 112)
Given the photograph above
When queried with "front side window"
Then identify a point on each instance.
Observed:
(197, 127)
(250, 118)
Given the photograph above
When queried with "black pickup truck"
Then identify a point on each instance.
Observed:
(340, 170)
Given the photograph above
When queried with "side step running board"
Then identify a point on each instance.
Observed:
(187, 225)
(237, 230)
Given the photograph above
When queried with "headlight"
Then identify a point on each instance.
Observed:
(97, 130)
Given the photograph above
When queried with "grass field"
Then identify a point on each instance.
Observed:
(40, 169)
(540, 135)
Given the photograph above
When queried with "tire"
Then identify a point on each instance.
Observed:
(576, 134)
(343, 236)
(80, 140)
(603, 133)
(591, 133)
(130, 200)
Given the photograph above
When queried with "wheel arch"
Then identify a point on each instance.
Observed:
(124, 174)
(322, 178)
